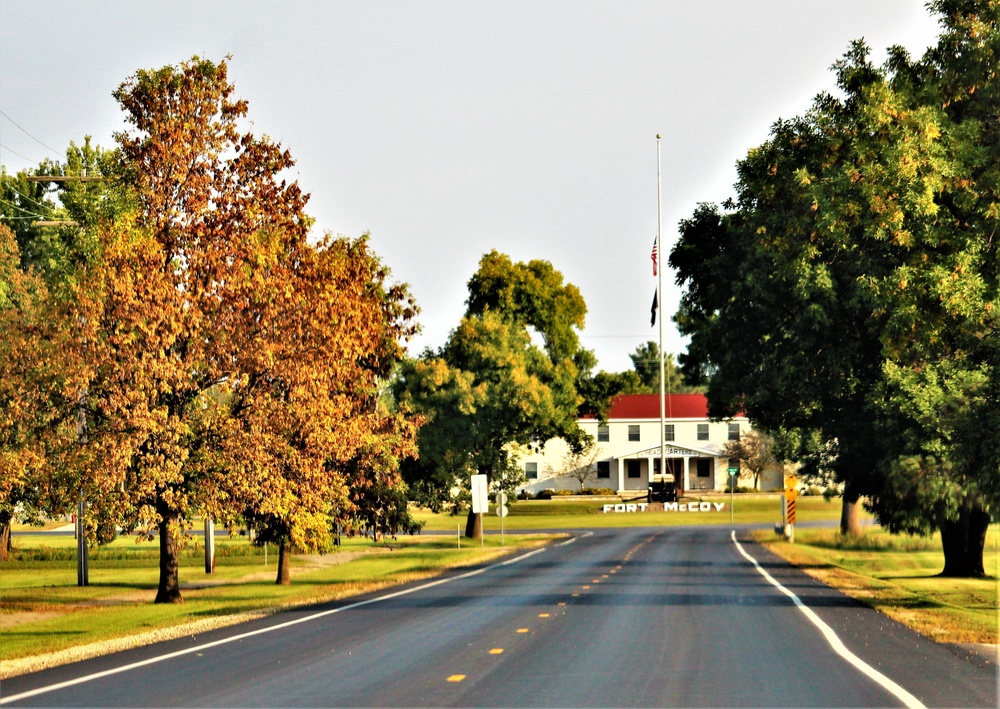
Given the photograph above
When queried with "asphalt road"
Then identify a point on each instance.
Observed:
(618, 617)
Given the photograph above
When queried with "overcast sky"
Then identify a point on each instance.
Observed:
(447, 129)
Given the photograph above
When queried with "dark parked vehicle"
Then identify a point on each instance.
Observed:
(662, 490)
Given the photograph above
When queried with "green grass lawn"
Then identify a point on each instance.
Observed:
(576, 514)
(43, 610)
(897, 575)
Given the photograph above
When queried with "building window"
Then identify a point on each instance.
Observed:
(734, 432)
(633, 432)
(603, 469)
(603, 433)
(668, 432)
(704, 467)
(632, 468)
(702, 431)
(531, 471)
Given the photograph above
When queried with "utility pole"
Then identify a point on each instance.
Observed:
(82, 553)
(82, 550)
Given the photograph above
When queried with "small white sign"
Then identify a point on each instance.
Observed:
(480, 494)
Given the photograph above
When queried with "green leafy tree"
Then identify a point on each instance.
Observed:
(646, 363)
(506, 377)
(54, 220)
(855, 277)
(598, 389)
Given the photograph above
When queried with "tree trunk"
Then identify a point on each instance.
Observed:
(169, 589)
(284, 563)
(474, 525)
(6, 546)
(850, 513)
(963, 541)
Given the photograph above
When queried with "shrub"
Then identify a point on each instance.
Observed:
(603, 491)
(545, 494)
(562, 493)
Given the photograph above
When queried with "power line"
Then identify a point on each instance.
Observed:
(24, 196)
(52, 150)
(22, 209)
(25, 157)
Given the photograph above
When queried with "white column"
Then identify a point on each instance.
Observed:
(687, 473)
(649, 472)
(621, 474)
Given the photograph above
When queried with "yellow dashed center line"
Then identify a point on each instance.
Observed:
(456, 678)
(585, 587)
(496, 651)
(522, 630)
(543, 615)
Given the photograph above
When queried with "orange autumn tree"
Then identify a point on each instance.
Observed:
(326, 333)
(208, 195)
(35, 370)
(234, 366)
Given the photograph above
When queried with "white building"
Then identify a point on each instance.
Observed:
(627, 452)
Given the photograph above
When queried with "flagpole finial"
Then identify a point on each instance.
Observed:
(657, 136)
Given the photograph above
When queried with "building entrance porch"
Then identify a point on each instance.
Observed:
(690, 469)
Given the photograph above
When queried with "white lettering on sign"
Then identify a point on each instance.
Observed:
(693, 507)
(629, 507)
(667, 507)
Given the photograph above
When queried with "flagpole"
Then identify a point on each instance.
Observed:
(659, 301)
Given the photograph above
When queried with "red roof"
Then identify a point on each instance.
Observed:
(647, 406)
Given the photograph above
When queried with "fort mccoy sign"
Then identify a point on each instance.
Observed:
(665, 507)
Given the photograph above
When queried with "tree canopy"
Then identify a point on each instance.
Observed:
(506, 377)
(851, 288)
(646, 364)
(205, 355)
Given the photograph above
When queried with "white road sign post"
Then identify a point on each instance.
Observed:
(480, 499)
(733, 472)
(501, 511)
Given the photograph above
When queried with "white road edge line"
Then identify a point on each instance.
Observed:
(835, 642)
(570, 541)
(261, 631)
